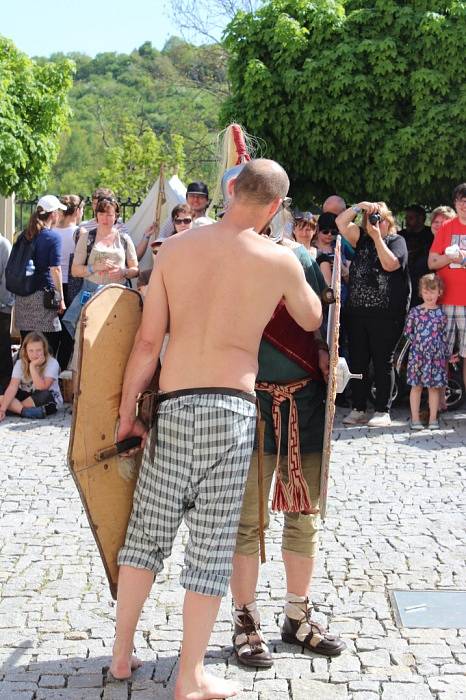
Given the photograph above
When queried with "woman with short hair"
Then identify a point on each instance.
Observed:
(103, 255)
(304, 231)
(378, 297)
(438, 217)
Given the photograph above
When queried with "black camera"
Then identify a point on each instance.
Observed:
(375, 218)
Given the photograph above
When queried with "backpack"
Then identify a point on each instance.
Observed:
(15, 272)
(75, 283)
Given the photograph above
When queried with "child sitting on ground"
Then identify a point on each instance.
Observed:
(426, 327)
(33, 391)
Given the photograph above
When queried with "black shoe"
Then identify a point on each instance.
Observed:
(249, 643)
(49, 408)
(317, 639)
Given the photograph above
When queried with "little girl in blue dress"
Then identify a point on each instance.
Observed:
(428, 353)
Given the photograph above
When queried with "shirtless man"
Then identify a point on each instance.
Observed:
(217, 288)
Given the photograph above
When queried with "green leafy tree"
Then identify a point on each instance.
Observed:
(174, 93)
(33, 113)
(133, 164)
(363, 98)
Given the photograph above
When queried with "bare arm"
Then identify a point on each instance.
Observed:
(146, 348)
(58, 284)
(436, 261)
(40, 383)
(144, 242)
(8, 397)
(388, 260)
(346, 225)
(301, 302)
(326, 270)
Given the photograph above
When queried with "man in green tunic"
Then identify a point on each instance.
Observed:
(306, 389)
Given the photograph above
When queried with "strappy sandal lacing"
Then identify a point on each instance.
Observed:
(249, 642)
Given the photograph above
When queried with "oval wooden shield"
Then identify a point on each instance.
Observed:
(107, 328)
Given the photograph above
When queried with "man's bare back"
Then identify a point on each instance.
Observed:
(222, 287)
(215, 289)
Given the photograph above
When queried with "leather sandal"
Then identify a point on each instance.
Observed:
(312, 636)
(249, 643)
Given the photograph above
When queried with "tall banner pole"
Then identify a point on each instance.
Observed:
(161, 199)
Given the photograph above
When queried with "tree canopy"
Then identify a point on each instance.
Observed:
(133, 111)
(33, 113)
(361, 98)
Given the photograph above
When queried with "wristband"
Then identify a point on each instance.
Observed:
(356, 209)
(90, 269)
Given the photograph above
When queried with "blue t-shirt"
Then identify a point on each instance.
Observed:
(47, 254)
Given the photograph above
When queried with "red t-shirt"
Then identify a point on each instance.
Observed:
(453, 275)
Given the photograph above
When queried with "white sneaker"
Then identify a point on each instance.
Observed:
(380, 420)
(356, 418)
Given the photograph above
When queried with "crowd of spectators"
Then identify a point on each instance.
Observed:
(385, 271)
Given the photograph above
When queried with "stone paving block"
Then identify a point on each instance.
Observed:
(118, 690)
(403, 691)
(292, 668)
(52, 682)
(379, 657)
(86, 680)
(430, 651)
(304, 690)
(449, 683)
(16, 686)
(68, 694)
(19, 695)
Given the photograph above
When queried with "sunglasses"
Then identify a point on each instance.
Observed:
(330, 232)
(182, 221)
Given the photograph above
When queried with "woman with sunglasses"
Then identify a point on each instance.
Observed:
(182, 218)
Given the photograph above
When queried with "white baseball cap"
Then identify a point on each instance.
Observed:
(50, 203)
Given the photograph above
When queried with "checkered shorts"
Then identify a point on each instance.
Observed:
(456, 327)
(198, 472)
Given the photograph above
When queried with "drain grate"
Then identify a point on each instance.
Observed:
(429, 609)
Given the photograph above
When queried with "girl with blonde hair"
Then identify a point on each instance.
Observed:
(33, 391)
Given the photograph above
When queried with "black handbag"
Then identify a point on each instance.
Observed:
(52, 298)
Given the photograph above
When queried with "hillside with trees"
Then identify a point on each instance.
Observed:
(131, 112)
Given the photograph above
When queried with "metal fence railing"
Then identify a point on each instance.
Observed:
(25, 207)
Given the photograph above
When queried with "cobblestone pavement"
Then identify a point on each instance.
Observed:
(397, 519)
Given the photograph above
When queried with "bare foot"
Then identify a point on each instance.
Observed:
(122, 668)
(208, 688)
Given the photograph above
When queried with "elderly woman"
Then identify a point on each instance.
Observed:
(378, 297)
(103, 255)
(439, 216)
